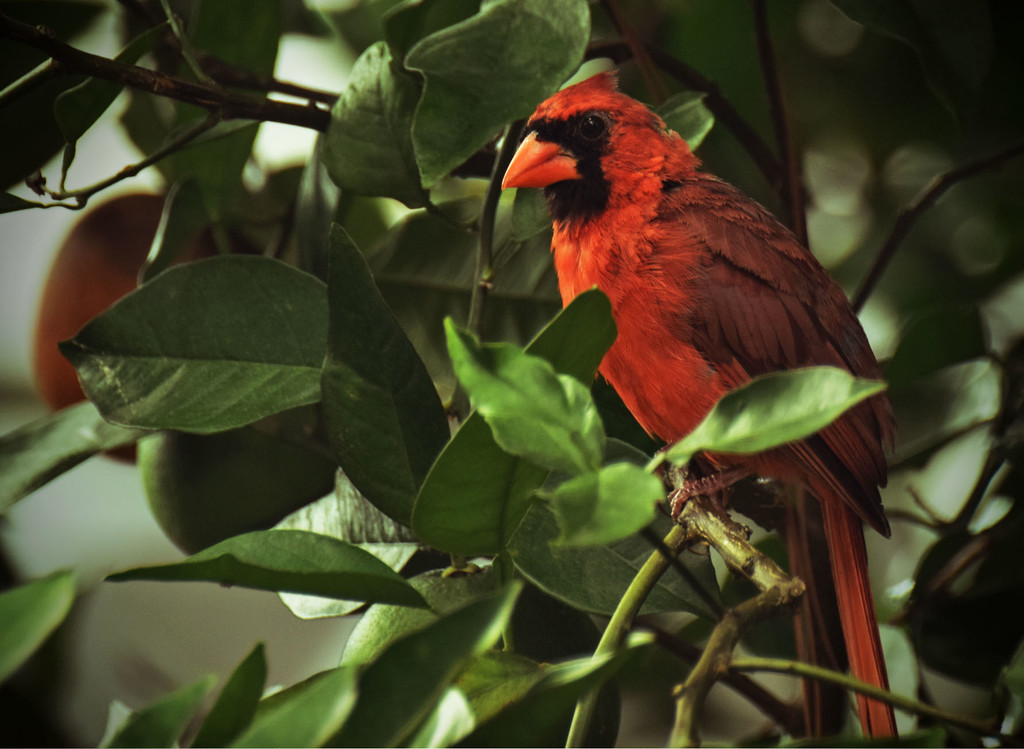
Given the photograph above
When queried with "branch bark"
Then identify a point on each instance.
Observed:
(222, 103)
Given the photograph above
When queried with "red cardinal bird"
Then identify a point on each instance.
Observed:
(709, 290)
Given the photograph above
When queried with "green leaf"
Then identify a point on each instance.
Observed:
(296, 561)
(315, 206)
(306, 714)
(78, 108)
(409, 22)
(183, 217)
(475, 493)
(936, 338)
(594, 578)
(498, 679)
(36, 453)
(541, 717)
(30, 613)
(347, 515)
(530, 46)
(606, 505)
(382, 624)
(213, 28)
(401, 687)
(451, 720)
(1011, 686)
(368, 145)
(940, 405)
(774, 409)
(533, 412)
(206, 346)
(384, 420)
(423, 286)
(686, 114)
(236, 704)
(952, 39)
(162, 723)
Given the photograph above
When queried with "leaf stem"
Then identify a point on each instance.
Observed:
(184, 45)
(806, 670)
(621, 621)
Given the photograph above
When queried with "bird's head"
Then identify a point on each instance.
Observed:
(584, 138)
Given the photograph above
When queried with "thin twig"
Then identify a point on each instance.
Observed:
(785, 714)
(655, 86)
(806, 670)
(791, 189)
(225, 104)
(925, 200)
(184, 46)
(619, 625)
(82, 195)
(714, 100)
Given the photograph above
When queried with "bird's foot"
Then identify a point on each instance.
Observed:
(708, 486)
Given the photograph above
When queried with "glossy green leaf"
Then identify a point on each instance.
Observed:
(382, 624)
(41, 450)
(606, 505)
(401, 687)
(206, 346)
(409, 22)
(368, 145)
(347, 515)
(162, 723)
(498, 679)
(686, 114)
(533, 412)
(423, 286)
(236, 704)
(774, 409)
(306, 714)
(531, 46)
(476, 493)
(30, 613)
(384, 420)
(296, 561)
(1011, 684)
(541, 716)
(451, 720)
(594, 578)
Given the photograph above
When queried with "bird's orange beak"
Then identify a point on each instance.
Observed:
(539, 163)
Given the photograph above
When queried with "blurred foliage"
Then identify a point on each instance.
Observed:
(337, 277)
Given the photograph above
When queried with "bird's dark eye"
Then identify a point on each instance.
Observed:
(592, 127)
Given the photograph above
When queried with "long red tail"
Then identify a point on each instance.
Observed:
(845, 533)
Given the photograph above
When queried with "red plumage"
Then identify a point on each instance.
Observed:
(709, 290)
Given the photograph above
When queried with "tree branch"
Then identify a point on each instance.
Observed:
(806, 670)
(224, 104)
(791, 189)
(703, 518)
(925, 200)
(718, 105)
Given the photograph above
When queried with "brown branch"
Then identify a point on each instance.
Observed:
(791, 189)
(223, 104)
(925, 200)
(714, 100)
(786, 715)
(704, 519)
